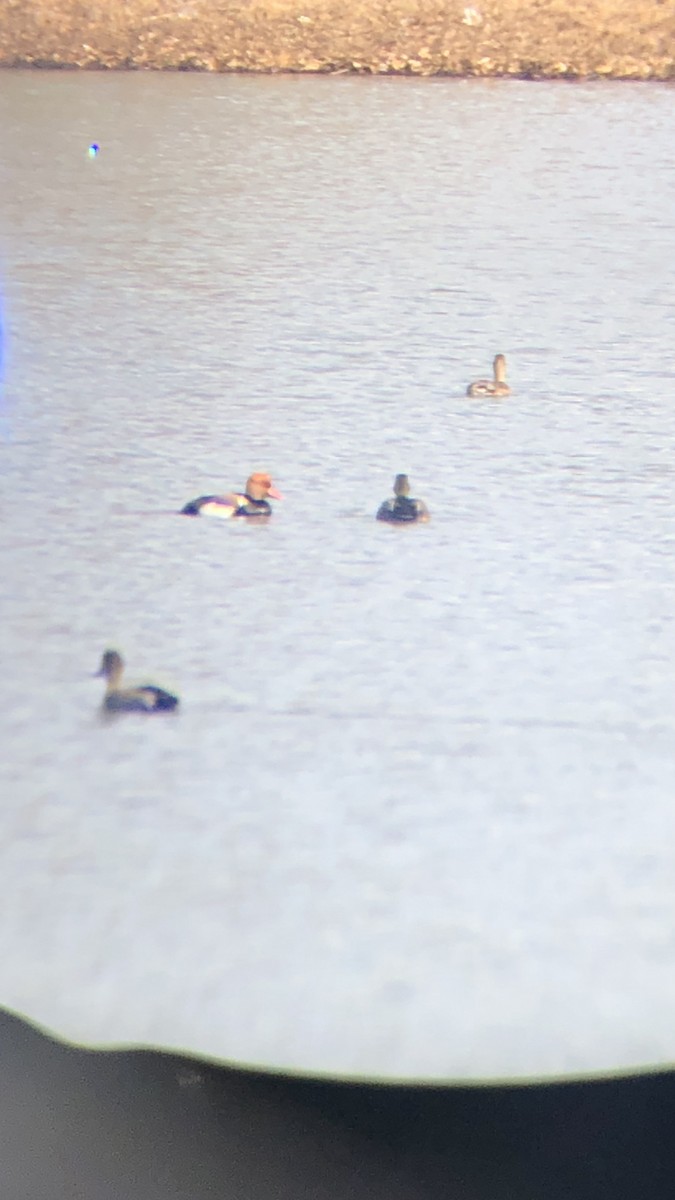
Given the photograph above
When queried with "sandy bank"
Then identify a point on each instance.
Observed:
(523, 38)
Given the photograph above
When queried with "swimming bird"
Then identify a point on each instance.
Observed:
(492, 387)
(145, 698)
(252, 502)
(403, 507)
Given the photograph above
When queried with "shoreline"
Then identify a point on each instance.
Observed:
(522, 39)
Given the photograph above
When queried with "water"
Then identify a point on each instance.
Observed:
(415, 816)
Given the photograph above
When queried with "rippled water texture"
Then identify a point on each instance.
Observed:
(416, 816)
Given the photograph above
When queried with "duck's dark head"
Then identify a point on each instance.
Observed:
(112, 665)
(401, 485)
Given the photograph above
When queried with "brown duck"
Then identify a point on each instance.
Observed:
(492, 387)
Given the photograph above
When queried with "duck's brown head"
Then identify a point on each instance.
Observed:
(259, 486)
(401, 485)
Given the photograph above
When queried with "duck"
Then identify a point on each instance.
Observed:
(252, 502)
(492, 387)
(403, 507)
(143, 698)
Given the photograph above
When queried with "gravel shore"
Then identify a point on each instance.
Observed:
(520, 38)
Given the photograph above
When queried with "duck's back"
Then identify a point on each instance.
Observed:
(213, 506)
(482, 387)
(232, 504)
(193, 507)
(140, 699)
(159, 698)
(386, 511)
(402, 509)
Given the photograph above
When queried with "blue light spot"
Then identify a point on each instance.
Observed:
(93, 149)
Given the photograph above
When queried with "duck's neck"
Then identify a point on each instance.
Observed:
(500, 369)
(113, 678)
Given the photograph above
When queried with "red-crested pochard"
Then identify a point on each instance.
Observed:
(252, 502)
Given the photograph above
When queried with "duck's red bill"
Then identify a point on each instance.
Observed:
(274, 493)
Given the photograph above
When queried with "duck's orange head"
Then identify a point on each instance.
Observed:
(259, 486)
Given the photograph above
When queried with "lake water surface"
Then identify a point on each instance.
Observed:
(416, 815)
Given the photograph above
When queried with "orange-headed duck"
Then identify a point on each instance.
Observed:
(492, 387)
(403, 507)
(145, 698)
(251, 503)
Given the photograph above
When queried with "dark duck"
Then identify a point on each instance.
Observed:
(140, 698)
(402, 508)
